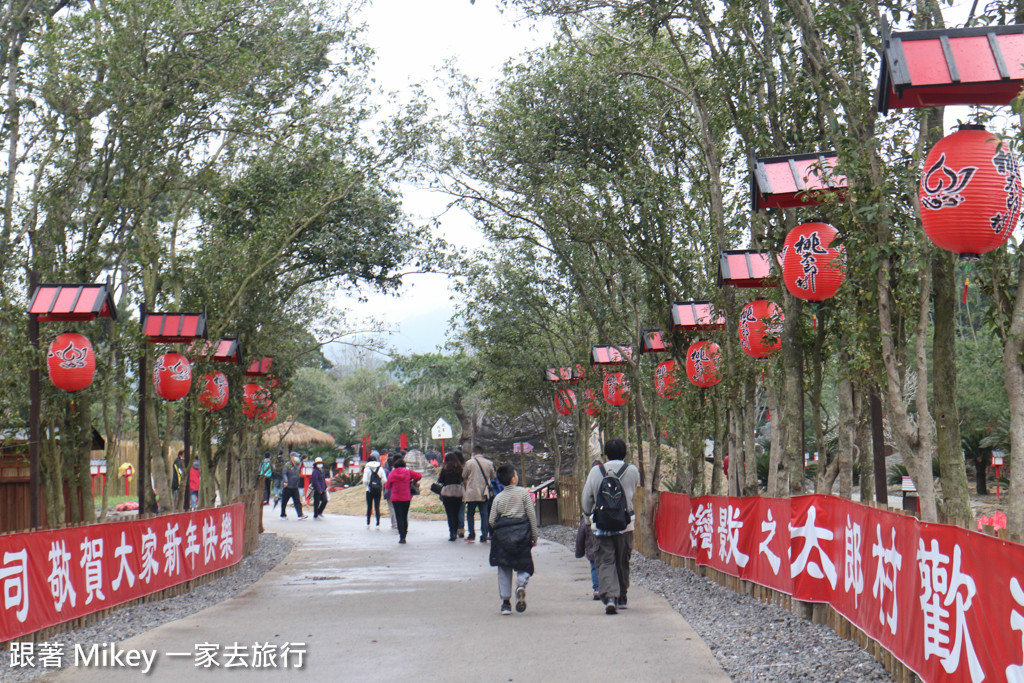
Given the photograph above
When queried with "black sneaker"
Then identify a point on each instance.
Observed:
(520, 599)
(620, 602)
(506, 607)
(609, 606)
(597, 596)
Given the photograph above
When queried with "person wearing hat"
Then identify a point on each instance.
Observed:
(292, 480)
(319, 483)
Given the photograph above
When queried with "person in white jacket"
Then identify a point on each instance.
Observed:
(374, 478)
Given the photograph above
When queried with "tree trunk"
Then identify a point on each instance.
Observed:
(792, 398)
(718, 482)
(1013, 376)
(750, 487)
(847, 429)
(865, 457)
(776, 478)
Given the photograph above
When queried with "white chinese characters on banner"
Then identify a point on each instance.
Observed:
(227, 538)
(702, 525)
(209, 541)
(172, 550)
(124, 571)
(92, 562)
(763, 548)
(150, 565)
(191, 544)
(943, 587)
(1015, 672)
(853, 568)
(729, 525)
(887, 569)
(60, 576)
(15, 577)
(813, 535)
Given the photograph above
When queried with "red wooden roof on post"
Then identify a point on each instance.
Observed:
(72, 302)
(969, 66)
(745, 268)
(794, 180)
(174, 328)
(653, 341)
(695, 316)
(227, 351)
(259, 368)
(561, 375)
(610, 355)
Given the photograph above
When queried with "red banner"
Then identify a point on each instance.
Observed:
(945, 601)
(49, 577)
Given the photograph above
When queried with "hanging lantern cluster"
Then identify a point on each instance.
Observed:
(761, 328)
(215, 392)
(565, 401)
(812, 268)
(665, 383)
(172, 376)
(970, 192)
(71, 362)
(702, 364)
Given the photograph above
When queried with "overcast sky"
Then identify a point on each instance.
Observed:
(412, 39)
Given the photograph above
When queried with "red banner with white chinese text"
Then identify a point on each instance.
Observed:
(947, 602)
(49, 577)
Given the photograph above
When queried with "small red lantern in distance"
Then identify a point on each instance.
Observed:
(665, 379)
(71, 362)
(970, 193)
(616, 389)
(591, 406)
(760, 328)
(215, 395)
(811, 268)
(565, 401)
(172, 376)
(702, 364)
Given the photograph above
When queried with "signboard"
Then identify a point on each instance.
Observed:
(441, 430)
(997, 458)
(98, 466)
(522, 447)
(307, 469)
(908, 485)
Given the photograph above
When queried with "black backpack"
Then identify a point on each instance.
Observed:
(375, 484)
(611, 511)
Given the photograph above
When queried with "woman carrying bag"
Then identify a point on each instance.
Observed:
(451, 492)
(402, 482)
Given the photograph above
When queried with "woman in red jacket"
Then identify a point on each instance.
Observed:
(401, 495)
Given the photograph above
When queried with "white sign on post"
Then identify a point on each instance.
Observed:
(441, 430)
(997, 458)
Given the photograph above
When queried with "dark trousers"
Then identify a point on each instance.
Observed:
(266, 490)
(612, 560)
(291, 494)
(319, 503)
(485, 525)
(372, 505)
(402, 517)
(451, 508)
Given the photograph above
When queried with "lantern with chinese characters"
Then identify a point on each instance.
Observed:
(665, 383)
(970, 193)
(257, 403)
(811, 268)
(215, 394)
(590, 405)
(761, 328)
(565, 401)
(616, 389)
(702, 364)
(71, 362)
(172, 376)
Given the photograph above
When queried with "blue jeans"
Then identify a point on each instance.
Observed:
(485, 525)
(593, 575)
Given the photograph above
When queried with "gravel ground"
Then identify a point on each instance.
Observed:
(131, 621)
(752, 640)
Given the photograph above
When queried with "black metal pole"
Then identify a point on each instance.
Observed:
(142, 416)
(878, 448)
(34, 413)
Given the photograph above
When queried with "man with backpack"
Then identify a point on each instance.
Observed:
(374, 478)
(608, 498)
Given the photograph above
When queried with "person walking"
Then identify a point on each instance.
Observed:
(177, 475)
(374, 477)
(450, 478)
(194, 476)
(387, 467)
(476, 477)
(276, 479)
(612, 522)
(266, 471)
(319, 483)
(291, 479)
(586, 546)
(514, 522)
(399, 483)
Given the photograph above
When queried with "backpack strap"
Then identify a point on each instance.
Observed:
(600, 466)
(622, 470)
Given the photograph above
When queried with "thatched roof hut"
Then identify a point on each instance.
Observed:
(291, 433)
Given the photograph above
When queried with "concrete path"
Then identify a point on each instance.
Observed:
(369, 609)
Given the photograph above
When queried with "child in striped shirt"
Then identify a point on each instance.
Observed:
(514, 532)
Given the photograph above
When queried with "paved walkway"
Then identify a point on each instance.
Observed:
(369, 609)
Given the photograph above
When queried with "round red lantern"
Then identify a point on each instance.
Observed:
(215, 394)
(269, 413)
(702, 364)
(565, 401)
(761, 328)
(970, 192)
(172, 376)
(71, 362)
(257, 404)
(811, 268)
(616, 389)
(590, 405)
(665, 383)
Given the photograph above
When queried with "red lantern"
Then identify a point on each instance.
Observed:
(591, 406)
(760, 328)
(702, 364)
(71, 361)
(565, 401)
(616, 389)
(269, 413)
(215, 395)
(257, 403)
(811, 268)
(970, 192)
(172, 376)
(665, 380)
